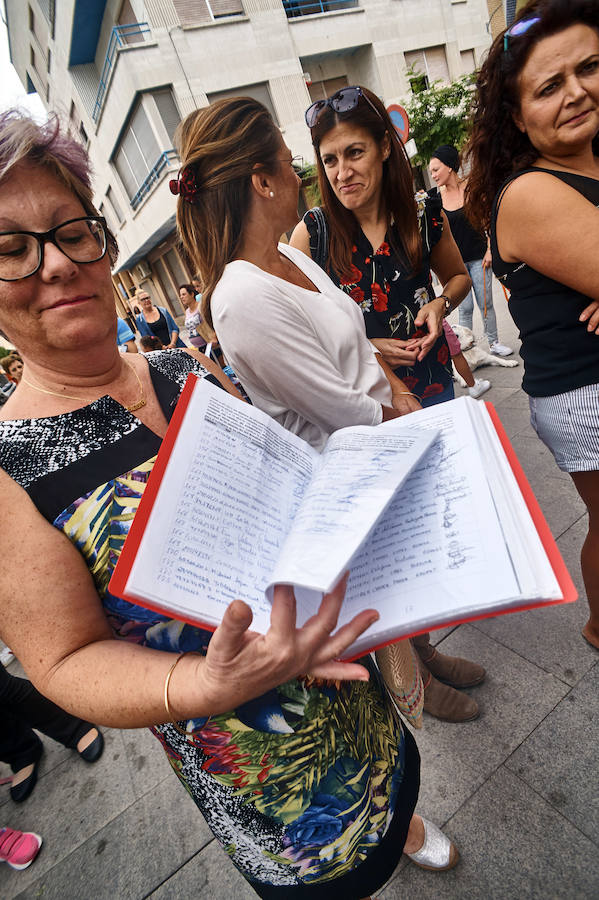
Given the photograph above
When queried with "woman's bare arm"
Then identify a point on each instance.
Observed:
(402, 400)
(548, 225)
(448, 266)
(52, 617)
(301, 238)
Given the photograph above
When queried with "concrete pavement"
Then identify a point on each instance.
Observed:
(518, 789)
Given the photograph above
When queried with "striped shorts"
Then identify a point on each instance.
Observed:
(568, 424)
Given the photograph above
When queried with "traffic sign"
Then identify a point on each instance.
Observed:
(399, 120)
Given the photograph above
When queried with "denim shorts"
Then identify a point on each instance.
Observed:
(568, 424)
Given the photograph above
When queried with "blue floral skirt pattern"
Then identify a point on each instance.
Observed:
(309, 788)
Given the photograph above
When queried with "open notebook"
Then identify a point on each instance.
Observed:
(431, 513)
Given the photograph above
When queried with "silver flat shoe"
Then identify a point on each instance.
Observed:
(438, 853)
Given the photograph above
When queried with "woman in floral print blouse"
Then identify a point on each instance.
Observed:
(368, 202)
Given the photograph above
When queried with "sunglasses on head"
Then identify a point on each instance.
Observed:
(341, 102)
(518, 29)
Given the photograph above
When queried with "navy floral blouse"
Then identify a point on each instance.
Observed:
(390, 298)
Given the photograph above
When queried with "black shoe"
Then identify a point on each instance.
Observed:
(21, 791)
(93, 751)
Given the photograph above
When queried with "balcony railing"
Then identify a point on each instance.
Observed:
(294, 8)
(120, 36)
(163, 162)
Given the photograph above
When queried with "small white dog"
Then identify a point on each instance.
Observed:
(476, 356)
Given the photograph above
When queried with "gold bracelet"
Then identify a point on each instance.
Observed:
(408, 394)
(167, 681)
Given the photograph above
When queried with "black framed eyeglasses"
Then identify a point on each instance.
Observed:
(519, 28)
(82, 240)
(341, 102)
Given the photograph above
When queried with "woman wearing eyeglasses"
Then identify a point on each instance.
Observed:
(78, 440)
(335, 810)
(379, 244)
(534, 182)
(157, 321)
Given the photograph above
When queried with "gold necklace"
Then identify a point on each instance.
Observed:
(133, 408)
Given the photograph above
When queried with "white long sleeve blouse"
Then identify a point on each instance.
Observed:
(302, 355)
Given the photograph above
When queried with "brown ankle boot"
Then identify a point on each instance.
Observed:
(445, 703)
(452, 670)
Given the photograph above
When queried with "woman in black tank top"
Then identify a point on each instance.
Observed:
(472, 244)
(534, 184)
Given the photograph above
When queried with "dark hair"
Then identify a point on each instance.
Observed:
(150, 342)
(222, 145)
(496, 147)
(189, 288)
(24, 142)
(448, 155)
(397, 188)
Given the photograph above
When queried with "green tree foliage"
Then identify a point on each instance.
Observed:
(439, 115)
(309, 175)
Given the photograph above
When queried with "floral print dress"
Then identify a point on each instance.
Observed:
(390, 298)
(309, 788)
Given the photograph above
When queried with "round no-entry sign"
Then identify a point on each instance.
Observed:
(399, 118)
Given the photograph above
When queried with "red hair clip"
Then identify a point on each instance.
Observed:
(185, 185)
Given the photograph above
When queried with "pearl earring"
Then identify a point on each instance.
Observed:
(271, 194)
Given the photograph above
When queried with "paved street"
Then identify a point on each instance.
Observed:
(518, 789)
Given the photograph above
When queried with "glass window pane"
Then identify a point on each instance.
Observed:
(168, 111)
(146, 141)
(115, 204)
(259, 92)
(125, 173)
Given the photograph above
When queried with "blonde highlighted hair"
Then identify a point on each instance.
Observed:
(23, 142)
(221, 146)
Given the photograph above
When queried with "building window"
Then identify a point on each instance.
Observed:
(131, 34)
(32, 58)
(146, 140)
(419, 83)
(137, 152)
(83, 135)
(320, 90)
(31, 21)
(48, 11)
(219, 9)
(107, 214)
(167, 110)
(112, 201)
(258, 92)
(201, 12)
(49, 61)
(425, 67)
(295, 8)
(468, 63)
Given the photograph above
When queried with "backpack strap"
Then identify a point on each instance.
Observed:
(319, 237)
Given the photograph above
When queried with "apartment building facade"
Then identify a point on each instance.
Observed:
(123, 73)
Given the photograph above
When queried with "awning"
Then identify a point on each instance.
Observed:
(159, 235)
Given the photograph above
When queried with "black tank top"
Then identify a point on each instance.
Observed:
(159, 328)
(471, 243)
(559, 353)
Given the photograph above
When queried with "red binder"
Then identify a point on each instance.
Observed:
(120, 576)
